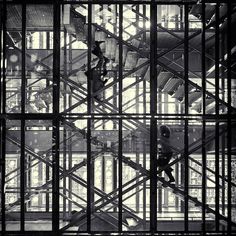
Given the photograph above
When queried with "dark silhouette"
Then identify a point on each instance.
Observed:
(99, 71)
(164, 152)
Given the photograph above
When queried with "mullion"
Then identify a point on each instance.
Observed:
(3, 88)
(69, 132)
(120, 57)
(203, 58)
(223, 137)
(89, 77)
(3, 172)
(186, 83)
(89, 121)
(22, 130)
(229, 133)
(55, 120)
(23, 65)
(56, 58)
(22, 177)
(3, 111)
(89, 182)
(120, 169)
(55, 175)
(120, 75)
(186, 177)
(217, 192)
(65, 133)
(204, 108)
(153, 122)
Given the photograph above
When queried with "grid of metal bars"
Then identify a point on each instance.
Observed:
(56, 117)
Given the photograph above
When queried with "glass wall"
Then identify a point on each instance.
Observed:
(117, 117)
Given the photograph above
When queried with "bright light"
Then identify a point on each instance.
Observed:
(140, 24)
(148, 24)
(13, 58)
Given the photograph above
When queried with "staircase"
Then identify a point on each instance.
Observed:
(135, 61)
(81, 216)
(169, 81)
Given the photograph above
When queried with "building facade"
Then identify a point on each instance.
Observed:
(80, 148)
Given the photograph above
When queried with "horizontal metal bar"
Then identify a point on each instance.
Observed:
(147, 2)
(168, 116)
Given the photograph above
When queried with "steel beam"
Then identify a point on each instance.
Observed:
(186, 112)
(55, 121)
(229, 112)
(153, 111)
(217, 156)
(123, 159)
(89, 121)
(3, 172)
(23, 125)
(120, 101)
(3, 16)
(163, 65)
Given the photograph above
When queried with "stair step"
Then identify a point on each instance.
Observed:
(209, 11)
(212, 109)
(197, 11)
(135, 43)
(222, 11)
(131, 222)
(130, 218)
(211, 215)
(172, 85)
(142, 70)
(46, 97)
(198, 106)
(110, 51)
(179, 94)
(194, 96)
(39, 103)
(131, 60)
(147, 74)
(172, 186)
(124, 54)
(109, 218)
(162, 79)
